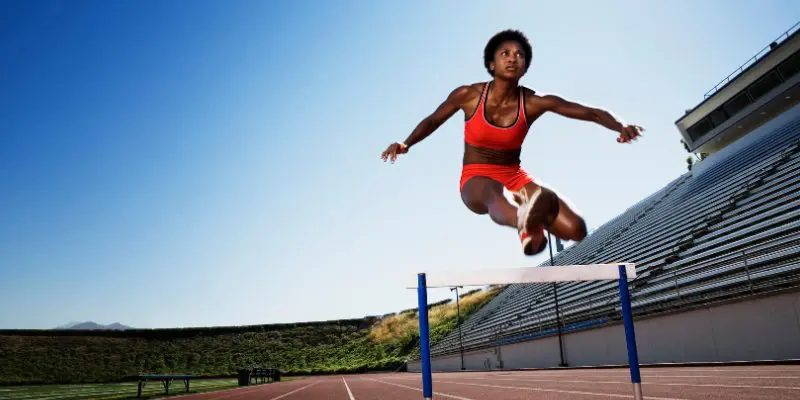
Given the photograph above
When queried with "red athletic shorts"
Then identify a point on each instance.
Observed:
(513, 177)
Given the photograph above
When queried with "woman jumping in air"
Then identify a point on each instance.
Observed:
(498, 115)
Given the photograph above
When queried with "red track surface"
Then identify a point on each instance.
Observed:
(693, 383)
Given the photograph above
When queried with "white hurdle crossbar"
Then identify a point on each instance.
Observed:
(568, 273)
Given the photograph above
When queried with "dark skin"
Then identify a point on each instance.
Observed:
(483, 195)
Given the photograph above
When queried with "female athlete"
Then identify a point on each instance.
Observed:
(498, 115)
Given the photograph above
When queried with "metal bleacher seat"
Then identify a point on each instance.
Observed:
(730, 229)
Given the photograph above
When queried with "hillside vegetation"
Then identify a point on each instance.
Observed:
(356, 345)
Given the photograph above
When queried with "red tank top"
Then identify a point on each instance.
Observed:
(479, 132)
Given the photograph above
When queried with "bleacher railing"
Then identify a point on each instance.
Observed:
(752, 60)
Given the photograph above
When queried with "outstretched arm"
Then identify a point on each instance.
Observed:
(599, 116)
(430, 123)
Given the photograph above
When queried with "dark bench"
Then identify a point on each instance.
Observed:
(266, 375)
(259, 375)
(166, 380)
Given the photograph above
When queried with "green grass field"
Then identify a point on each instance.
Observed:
(73, 365)
(108, 391)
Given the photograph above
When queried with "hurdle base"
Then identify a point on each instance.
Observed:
(637, 391)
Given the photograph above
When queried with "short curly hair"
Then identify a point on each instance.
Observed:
(504, 36)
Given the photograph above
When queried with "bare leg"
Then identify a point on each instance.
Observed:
(484, 195)
(568, 225)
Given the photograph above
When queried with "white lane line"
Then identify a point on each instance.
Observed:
(718, 377)
(419, 390)
(729, 369)
(626, 396)
(349, 393)
(240, 391)
(645, 383)
(646, 375)
(295, 391)
(653, 370)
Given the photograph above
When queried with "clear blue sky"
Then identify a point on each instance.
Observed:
(216, 163)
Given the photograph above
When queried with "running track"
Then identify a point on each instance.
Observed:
(777, 382)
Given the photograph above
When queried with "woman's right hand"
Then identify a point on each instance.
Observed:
(393, 150)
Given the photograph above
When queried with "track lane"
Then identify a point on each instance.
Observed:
(322, 389)
(370, 388)
(684, 383)
(349, 392)
(617, 388)
(467, 387)
(417, 389)
(677, 390)
(261, 392)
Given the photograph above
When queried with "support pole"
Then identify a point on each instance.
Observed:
(424, 339)
(630, 336)
(460, 337)
(558, 325)
(555, 297)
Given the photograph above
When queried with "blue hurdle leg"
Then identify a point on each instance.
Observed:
(630, 335)
(424, 343)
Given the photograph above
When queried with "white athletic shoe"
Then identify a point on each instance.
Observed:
(527, 243)
(524, 210)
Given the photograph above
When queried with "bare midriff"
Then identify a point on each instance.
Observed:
(484, 155)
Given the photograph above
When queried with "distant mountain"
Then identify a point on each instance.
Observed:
(68, 325)
(90, 325)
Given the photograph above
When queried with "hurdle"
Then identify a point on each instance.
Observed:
(564, 273)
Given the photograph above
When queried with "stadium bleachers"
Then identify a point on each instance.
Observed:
(728, 230)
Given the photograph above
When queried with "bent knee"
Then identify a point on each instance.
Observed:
(579, 232)
(476, 206)
(474, 203)
(574, 231)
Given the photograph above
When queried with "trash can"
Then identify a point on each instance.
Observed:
(244, 377)
(277, 376)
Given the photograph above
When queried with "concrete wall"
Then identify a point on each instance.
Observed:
(759, 329)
